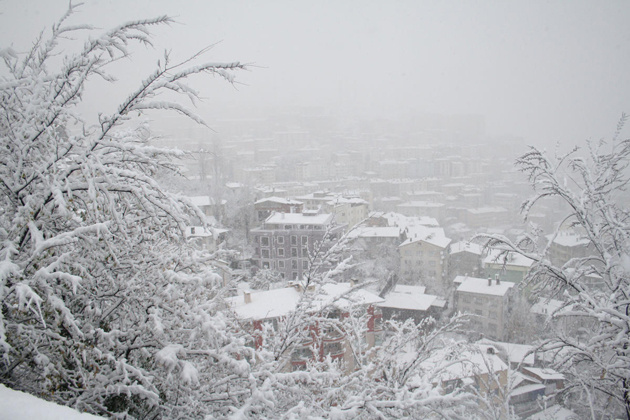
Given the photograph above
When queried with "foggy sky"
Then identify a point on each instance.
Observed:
(542, 70)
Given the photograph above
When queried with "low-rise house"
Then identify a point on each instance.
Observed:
(465, 259)
(424, 256)
(487, 300)
(272, 308)
(508, 266)
(410, 302)
(566, 246)
(208, 238)
(265, 207)
(480, 366)
(208, 205)
(552, 379)
(516, 355)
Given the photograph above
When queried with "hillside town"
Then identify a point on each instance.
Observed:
(414, 212)
(343, 211)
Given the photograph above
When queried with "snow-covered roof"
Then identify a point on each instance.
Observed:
(569, 239)
(465, 246)
(555, 412)
(299, 218)
(546, 374)
(20, 405)
(545, 306)
(516, 353)
(405, 288)
(201, 200)
(484, 210)
(421, 204)
(433, 236)
(526, 389)
(497, 256)
(374, 232)
(398, 219)
(279, 200)
(265, 305)
(408, 297)
(474, 362)
(197, 232)
(280, 302)
(344, 200)
(480, 286)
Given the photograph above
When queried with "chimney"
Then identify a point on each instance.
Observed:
(496, 277)
(489, 281)
(247, 295)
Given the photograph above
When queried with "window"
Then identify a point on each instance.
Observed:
(305, 252)
(334, 348)
(293, 239)
(280, 252)
(264, 241)
(294, 253)
(294, 275)
(304, 240)
(265, 253)
(280, 239)
(305, 265)
(294, 264)
(280, 264)
(288, 227)
(265, 264)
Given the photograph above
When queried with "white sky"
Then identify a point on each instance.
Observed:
(543, 70)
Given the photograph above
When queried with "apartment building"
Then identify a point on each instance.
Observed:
(507, 266)
(487, 300)
(334, 301)
(424, 256)
(288, 242)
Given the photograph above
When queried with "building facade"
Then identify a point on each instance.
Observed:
(291, 243)
(487, 300)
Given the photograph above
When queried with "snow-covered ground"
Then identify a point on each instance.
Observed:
(16, 405)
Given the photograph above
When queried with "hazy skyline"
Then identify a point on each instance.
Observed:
(542, 70)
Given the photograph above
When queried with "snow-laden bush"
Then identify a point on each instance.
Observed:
(590, 340)
(98, 287)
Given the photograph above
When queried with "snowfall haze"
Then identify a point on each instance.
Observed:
(544, 71)
(292, 209)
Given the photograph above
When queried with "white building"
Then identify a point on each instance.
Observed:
(487, 300)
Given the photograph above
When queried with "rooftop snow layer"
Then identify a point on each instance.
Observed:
(480, 286)
(280, 302)
(298, 218)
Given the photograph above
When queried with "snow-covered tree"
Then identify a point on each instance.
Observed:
(595, 358)
(104, 306)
